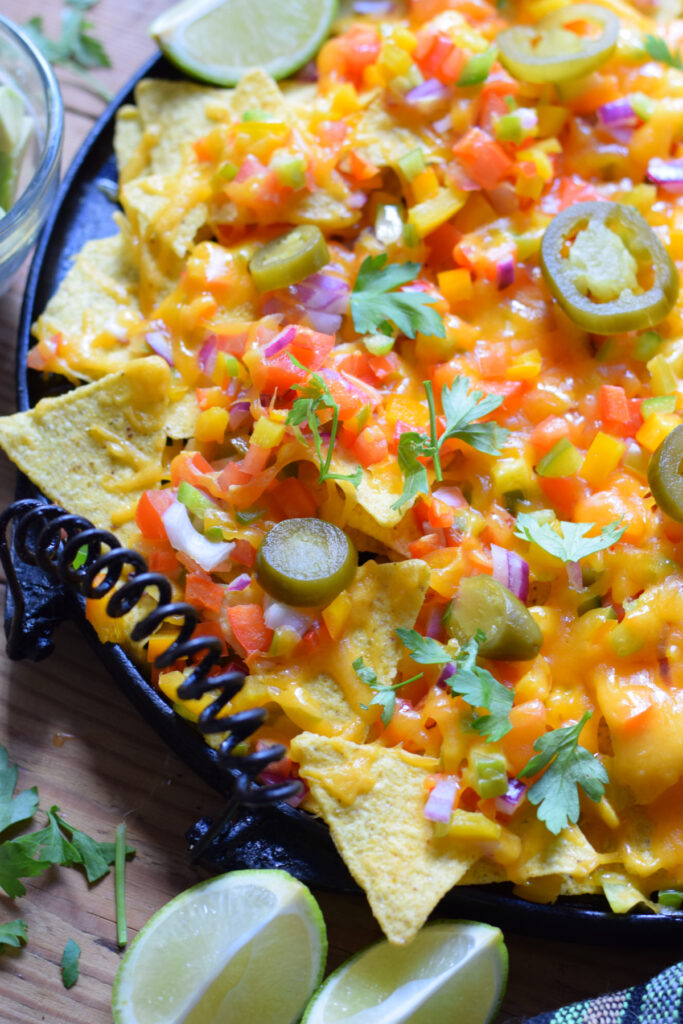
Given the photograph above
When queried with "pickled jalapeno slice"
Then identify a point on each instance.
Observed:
(607, 268)
(305, 562)
(665, 475)
(482, 603)
(554, 51)
(289, 258)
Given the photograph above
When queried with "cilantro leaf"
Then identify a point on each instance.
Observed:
(567, 766)
(14, 809)
(13, 933)
(385, 697)
(571, 544)
(49, 844)
(423, 649)
(74, 48)
(70, 956)
(415, 479)
(376, 307)
(462, 411)
(480, 689)
(657, 48)
(15, 863)
(315, 395)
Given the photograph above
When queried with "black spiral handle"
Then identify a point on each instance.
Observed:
(48, 537)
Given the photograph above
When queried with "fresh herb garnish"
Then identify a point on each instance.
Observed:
(571, 544)
(375, 307)
(315, 395)
(14, 809)
(462, 409)
(120, 884)
(75, 48)
(657, 48)
(474, 684)
(385, 696)
(568, 766)
(14, 933)
(72, 952)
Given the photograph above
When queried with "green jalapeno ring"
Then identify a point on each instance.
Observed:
(665, 475)
(628, 312)
(290, 258)
(517, 53)
(482, 603)
(306, 562)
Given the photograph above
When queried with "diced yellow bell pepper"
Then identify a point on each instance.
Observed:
(662, 377)
(428, 216)
(266, 433)
(336, 615)
(525, 366)
(656, 428)
(345, 100)
(211, 424)
(158, 643)
(425, 185)
(602, 458)
(455, 285)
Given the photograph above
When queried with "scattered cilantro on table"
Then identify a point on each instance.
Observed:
(32, 853)
(70, 957)
(75, 48)
(571, 544)
(476, 685)
(568, 766)
(376, 307)
(385, 696)
(315, 395)
(463, 410)
(657, 48)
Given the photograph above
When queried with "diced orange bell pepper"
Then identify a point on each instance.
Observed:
(249, 628)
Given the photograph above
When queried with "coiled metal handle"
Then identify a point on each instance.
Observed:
(52, 539)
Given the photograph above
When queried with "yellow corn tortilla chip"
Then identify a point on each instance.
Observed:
(256, 90)
(322, 692)
(128, 134)
(380, 140)
(96, 449)
(372, 799)
(543, 853)
(181, 417)
(95, 312)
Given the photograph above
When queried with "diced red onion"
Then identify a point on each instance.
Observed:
(452, 496)
(508, 803)
(277, 615)
(240, 582)
(666, 173)
(618, 112)
(444, 124)
(280, 341)
(575, 575)
(430, 91)
(308, 73)
(511, 570)
(183, 536)
(433, 629)
(239, 413)
(376, 7)
(505, 272)
(161, 344)
(446, 672)
(325, 323)
(439, 806)
(208, 353)
(357, 200)
(322, 292)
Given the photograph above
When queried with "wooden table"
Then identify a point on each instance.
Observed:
(75, 737)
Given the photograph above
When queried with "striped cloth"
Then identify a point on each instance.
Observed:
(660, 1001)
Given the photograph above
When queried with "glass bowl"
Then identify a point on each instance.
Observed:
(24, 68)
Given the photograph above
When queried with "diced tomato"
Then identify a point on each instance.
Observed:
(528, 723)
(563, 493)
(249, 628)
(371, 446)
(310, 348)
(151, 508)
(620, 415)
(548, 432)
(243, 553)
(511, 391)
(194, 468)
(425, 545)
(201, 591)
(292, 499)
(483, 159)
(209, 628)
(361, 169)
(350, 54)
(164, 562)
(350, 399)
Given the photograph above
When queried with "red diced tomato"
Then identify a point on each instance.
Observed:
(249, 628)
(483, 159)
(292, 499)
(151, 508)
(371, 446)
(201, 591)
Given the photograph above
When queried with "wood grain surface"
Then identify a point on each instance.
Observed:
(76, 737)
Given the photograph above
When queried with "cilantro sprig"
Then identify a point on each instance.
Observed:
(476, 685)
(657, 48)
(69, 965)
(385, 696)
(376, 307)
(14, 933)
(75, 48)
(568, 766)
(315, 395)
(463, 410)
(571, 543)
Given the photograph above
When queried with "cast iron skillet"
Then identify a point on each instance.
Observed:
(280, 836)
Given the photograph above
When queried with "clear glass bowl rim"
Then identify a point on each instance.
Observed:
(52, 146)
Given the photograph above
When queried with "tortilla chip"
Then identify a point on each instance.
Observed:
(543, 853)
(323, 693)
(94, 312)
(96, 449)
(256, 90)
(378, 139)
(128, 134)
(372, 798)
(181, 417)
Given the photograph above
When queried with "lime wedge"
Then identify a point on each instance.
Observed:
(451, 971)
(218, 40)
(246, 946)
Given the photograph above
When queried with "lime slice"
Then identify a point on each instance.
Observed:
(246, 946)
(451, 971)
(218, 40)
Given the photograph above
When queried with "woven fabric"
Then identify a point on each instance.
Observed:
(660, 1001)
